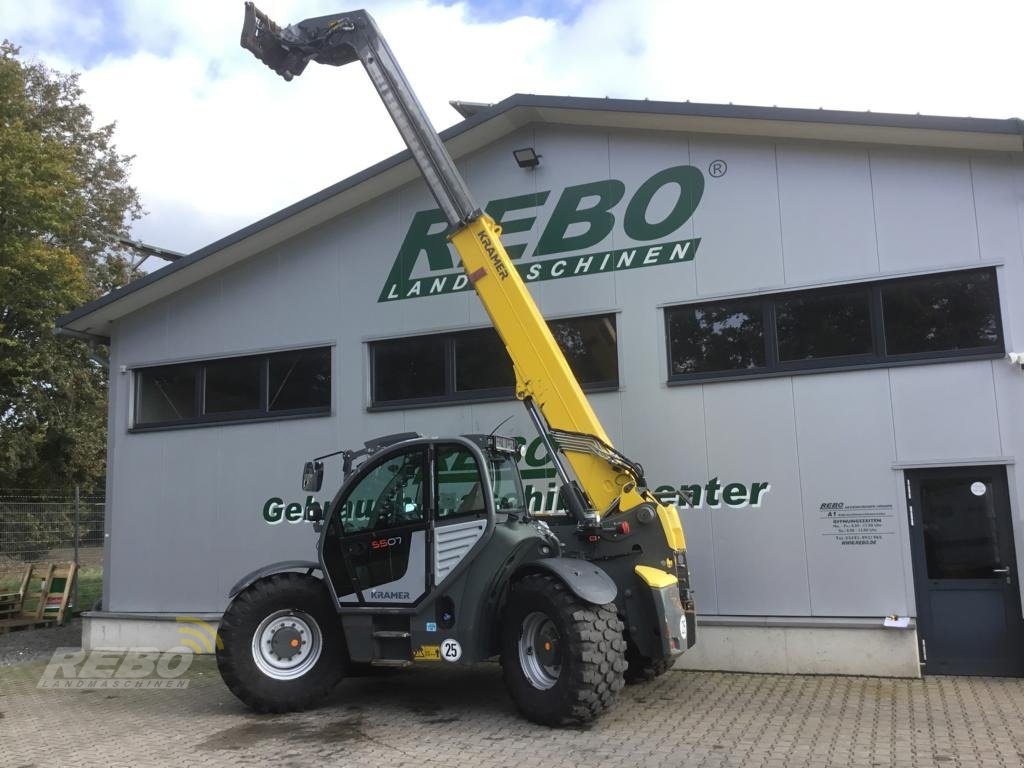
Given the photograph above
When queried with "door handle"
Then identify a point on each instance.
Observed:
(1001, 570)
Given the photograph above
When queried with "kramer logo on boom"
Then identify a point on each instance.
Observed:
(583, 216)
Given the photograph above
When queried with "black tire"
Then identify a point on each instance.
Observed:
(291, 592)
(590, 652)
(643, 668)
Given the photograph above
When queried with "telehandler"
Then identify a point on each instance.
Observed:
(428, 552)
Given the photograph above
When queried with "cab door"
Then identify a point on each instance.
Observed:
(461, 510)
(375, 549)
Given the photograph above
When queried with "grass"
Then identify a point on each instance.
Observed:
(90, 585)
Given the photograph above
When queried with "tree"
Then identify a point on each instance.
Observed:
(65, 201)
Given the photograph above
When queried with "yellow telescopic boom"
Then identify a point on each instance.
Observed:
(606, 481)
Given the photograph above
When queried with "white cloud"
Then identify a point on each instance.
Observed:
(220, 141)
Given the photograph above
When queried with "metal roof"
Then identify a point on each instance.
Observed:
(485, 124)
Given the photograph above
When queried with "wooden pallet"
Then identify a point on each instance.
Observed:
(16, 625)
(47, 606)
(11, 602)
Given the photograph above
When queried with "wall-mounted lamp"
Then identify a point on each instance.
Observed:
(526, 157)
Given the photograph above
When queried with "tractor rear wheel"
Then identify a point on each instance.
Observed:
(562, 658)
(282, 648)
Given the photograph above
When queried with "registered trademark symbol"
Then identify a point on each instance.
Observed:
(717, 168)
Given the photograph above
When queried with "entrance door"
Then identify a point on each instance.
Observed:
(968, 599)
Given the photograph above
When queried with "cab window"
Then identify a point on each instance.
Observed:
(390, 495)
(460, 487)
(508, 487)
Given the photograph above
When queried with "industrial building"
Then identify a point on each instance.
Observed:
(816, 312)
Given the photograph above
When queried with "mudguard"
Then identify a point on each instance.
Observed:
(586, 580)
(270, 570)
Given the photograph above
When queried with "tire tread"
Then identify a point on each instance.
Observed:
(245, 608)
(595, 640)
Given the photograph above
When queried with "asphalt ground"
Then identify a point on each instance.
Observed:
(436, 715)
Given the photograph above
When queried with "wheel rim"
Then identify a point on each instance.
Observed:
(287, 644)
(540, 653)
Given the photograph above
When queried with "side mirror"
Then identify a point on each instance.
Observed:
(313, 476)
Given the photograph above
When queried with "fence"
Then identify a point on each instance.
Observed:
(51, 526)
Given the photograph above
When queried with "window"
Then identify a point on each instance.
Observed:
(232, 386)
(932, 317)
(388, 496)
(460, 492)
(476, 355)
(300, 379)
(590, 346)
(282, 384)
(474, 365)
(407, 369)
(942, 313)
(717, 337)
(826, 324)
(167, 394)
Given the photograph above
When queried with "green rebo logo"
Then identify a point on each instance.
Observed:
(583, 216)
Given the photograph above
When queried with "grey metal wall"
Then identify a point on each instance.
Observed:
(185, 505)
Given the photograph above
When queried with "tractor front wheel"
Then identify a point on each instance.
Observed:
(281, 644)
(562, 658)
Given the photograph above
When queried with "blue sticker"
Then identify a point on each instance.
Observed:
(431, 626)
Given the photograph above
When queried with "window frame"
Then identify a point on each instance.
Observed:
(877, 358)
(453, 396)
(767, 339)
(203, 419)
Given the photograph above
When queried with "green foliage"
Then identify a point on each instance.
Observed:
(64, 202)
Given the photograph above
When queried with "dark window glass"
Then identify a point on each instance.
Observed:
(300, 379)
(590, 345)
(961, 538)
(415, 369)
(716, 337)
(167, 394)
(823, 325)
(936, 317)
(233, 389)
(409, 369)
(940, 313)
(481, 362)
(233, 385)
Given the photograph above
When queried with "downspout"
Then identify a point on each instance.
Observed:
(91, 339)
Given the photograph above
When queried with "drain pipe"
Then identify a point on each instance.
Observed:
(91, 339)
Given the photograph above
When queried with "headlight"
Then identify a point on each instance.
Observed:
(682, 630)
(504, 444)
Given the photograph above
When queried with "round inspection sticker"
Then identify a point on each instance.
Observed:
(451, 650)
(978, 489)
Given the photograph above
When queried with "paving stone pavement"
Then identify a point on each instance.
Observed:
(462, 717)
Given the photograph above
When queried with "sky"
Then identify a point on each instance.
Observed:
(220, 141)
